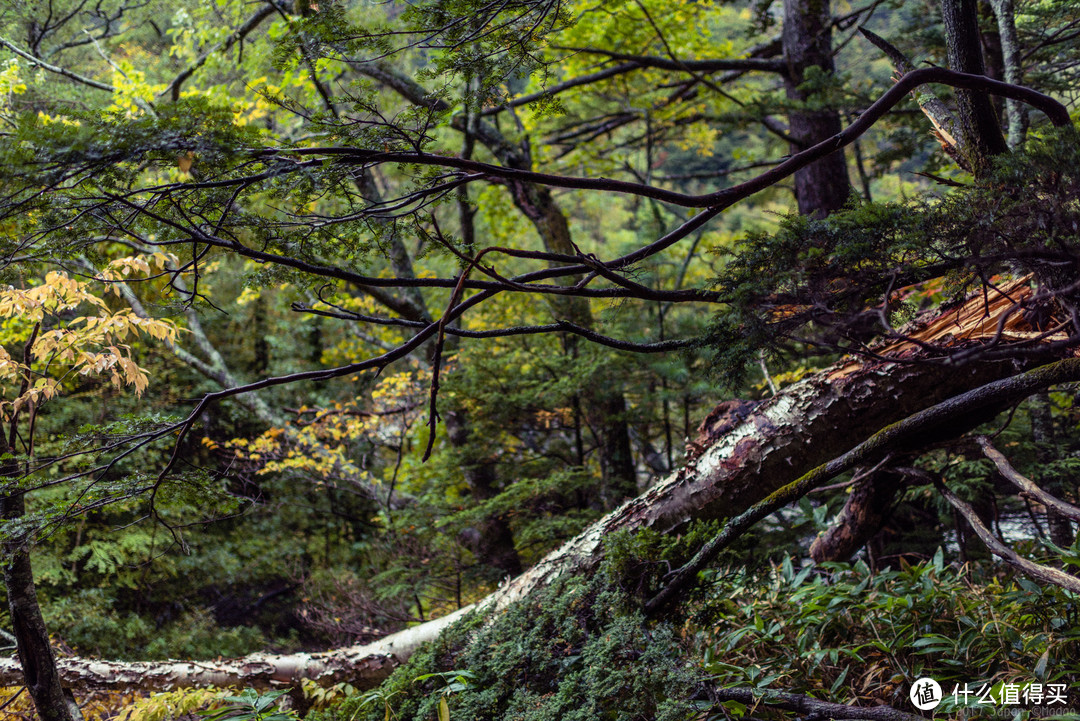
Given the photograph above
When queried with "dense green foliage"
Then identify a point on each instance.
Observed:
(308, 190)
(840, 632)
(848, 633)
(580, 651)
(829, 284)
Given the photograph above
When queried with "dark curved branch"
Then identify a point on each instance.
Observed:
(714, 65)
(522, 283)
(761, 53)
(64, 72)
(1058, 114)
(562, 326)
(489, 170)
(590, 335)
(613, 71)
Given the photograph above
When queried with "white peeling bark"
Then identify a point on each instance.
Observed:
(256, 670)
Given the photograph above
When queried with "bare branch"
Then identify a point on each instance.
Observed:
(810, 705)
(1027, 487)
(90, 82)
(1041, 573)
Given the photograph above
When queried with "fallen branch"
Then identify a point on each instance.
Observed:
(1027, 487)
(1041, 573)
(949, 417)
(809, 705)
(362, 666)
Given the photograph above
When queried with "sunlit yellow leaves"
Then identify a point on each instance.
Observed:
(124, 268)
(131, 93)
(42, 390)
(700, 138)
(10, 82)
(87, 345)
(322, 442)
(57, 294)
(47, 119)
(248, 294)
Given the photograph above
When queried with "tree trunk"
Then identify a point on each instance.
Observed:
(823, 186)
(493, 542)
(616, 459)
(620, 476)
(364, 667)
(37, 664)
(993, 58)
(977, 119)
(1042, 432)
(1015, 111)
(36, 667)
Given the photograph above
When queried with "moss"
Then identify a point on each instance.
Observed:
(637, 562)
(579, 649)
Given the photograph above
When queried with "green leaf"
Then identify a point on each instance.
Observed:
(839, 680)
(1040, 668)
(444, 710)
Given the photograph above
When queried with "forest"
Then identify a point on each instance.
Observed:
(687, 360)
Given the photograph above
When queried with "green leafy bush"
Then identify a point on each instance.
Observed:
(844, 634)
(579, 650)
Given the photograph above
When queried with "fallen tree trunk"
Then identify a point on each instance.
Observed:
(814, 708)
(866, 510)
(944, 420)
(363, 666)
(744, 455)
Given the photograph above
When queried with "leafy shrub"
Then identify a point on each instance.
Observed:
(578, 650)
(93, 625)
(842, 633)
(581, 649)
